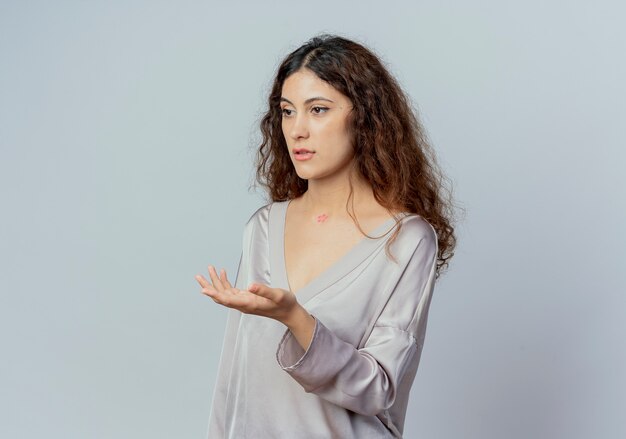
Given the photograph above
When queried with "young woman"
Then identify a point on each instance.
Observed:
(329, 307)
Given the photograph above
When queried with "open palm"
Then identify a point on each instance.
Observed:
(258, 299)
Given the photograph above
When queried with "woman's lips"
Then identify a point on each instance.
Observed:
(302, 154)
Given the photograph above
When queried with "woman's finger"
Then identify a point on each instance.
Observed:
(217, 283)
(209, 290)
(224, 279)
(202, 281)
(273, 294)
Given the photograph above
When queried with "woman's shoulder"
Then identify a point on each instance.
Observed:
(415, 229)
(261, 215)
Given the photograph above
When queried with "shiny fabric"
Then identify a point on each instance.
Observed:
(354, 379)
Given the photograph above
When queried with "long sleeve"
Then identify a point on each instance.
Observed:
(367, 380)
(246, 271)
(217, 417)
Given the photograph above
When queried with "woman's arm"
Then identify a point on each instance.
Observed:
(366, 380)
(302, 325)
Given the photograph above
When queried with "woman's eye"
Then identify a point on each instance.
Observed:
(286, 112)
(319, 110)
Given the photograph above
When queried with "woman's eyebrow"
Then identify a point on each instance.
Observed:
(316, 98)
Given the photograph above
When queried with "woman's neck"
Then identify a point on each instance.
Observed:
(328, 198)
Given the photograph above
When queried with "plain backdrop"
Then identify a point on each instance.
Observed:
(127, 137)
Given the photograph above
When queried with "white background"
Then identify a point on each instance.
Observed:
(127, 136)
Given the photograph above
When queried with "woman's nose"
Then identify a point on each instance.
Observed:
(299, 128)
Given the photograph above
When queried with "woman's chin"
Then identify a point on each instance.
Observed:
(304, 174)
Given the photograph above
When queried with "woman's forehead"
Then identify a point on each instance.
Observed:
(304, 85)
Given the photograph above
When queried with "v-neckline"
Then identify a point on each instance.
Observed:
(338, 269)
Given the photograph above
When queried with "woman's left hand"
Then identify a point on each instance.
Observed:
(258, 299)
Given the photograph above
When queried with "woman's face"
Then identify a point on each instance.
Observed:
(315, 119)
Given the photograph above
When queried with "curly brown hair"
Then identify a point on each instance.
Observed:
(392, 151)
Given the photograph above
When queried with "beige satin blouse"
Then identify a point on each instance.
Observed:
(354, 379)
